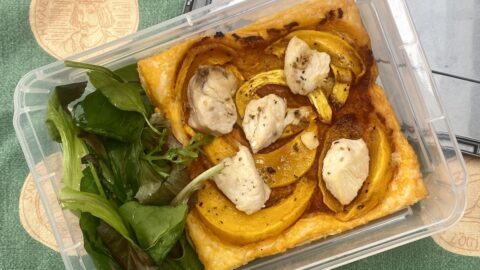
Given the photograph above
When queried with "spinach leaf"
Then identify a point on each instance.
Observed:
(124, 96)
(157, 190)
(90, 182)
(153, 188)
(185, 258)
(100, 79)
(95, 114)
(95, 205)
(157, 228)
(104, 70)
(93, 244)
(62, 128)
(123, 160)
(128, 255)
(68, 93)
(129, 73)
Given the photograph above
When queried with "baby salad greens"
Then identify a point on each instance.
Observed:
(125, 175)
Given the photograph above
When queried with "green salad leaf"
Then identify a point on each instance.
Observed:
(124, 96)
(180, 155)
(130, 256)
(93, 244)
(184, 195)
(128, 181)
(151, 140)
(62, 128)
(91, 183)
(154, 188)
(95, 205)
(104, 70)
(129, 73)
(97, 115)
(157, 228)
(123, 159)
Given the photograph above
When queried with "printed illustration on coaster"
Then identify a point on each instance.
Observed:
(64, 28)
(464, 237)
(32, 214)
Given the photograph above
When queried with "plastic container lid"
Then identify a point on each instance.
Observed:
(404, 74)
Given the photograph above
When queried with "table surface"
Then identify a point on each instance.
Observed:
(451, 44)
(450, 36)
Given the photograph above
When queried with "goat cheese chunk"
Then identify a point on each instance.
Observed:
(210, 92)
(345, 168)
(264, 121)
(241, 182)
(295, 115)
(305, 69)
(310, 140)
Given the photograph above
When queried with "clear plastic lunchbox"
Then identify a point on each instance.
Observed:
(404, 74)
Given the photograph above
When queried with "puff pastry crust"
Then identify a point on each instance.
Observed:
(159, 75)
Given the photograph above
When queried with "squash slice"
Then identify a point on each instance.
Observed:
(219, 149)
(319, 100)
(380, 173)
(248, 91)
(221, 216)
(343, 128)
(341, 89)
(288, 163)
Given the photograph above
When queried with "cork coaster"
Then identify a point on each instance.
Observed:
(66, 27)
(464, 237)
(32, 214)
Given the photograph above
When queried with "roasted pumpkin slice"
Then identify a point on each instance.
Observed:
(341, 89)
(288, 163)
(248, 91)
(320, 102)
(230, 224)
(219, 149)
(342, 53)
(347, 128)
(380, 173)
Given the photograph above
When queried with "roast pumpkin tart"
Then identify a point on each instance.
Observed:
(348, 104)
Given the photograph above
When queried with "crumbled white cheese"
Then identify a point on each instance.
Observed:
(241, 182)
(345, 168)
(295, 115)
(264, 121)
(310, 140)
(305, 69)
(210, 92)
